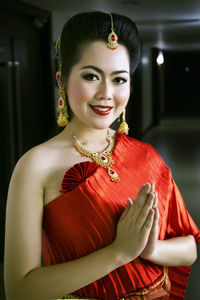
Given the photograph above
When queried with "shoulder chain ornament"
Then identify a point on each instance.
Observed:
(103, 158)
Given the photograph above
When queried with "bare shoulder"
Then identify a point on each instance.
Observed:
(46, 157)
(31, 165)
(45, 164)
(28, 180)
(24, 212)
(41, 158)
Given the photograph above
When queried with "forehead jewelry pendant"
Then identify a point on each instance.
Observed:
(112, 38)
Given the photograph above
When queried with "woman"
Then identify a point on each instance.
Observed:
(119, 221)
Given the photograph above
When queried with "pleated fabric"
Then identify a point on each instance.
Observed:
(84, 218)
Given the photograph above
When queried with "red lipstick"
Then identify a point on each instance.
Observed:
(101, 109)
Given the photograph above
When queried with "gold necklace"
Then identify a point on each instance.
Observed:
(103, 158)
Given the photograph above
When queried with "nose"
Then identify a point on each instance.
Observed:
(105, 91)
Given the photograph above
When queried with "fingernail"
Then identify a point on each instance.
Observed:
(147, 187)
(129, 200)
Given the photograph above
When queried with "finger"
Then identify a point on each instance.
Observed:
(145, 189)
(141, 190)
(133, 200)
(156, 200)
(154, 230)
(149, 223)
(127, 208)
(153, 187)
(140, 202)
(148, 188)
(157, 215)
(153, 191)
(145, 211)
(145, 192)
(142, 198)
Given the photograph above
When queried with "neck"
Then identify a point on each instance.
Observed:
(88, 136)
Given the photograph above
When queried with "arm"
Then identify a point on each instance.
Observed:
(24, 276)
(178, 251)
(58, 280)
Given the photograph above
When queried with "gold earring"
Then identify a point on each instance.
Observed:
(123, 128)
(62, 109)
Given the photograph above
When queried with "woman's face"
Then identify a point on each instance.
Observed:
(98, 86)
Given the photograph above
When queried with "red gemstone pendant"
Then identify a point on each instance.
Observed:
(113, 175)
(103, 159)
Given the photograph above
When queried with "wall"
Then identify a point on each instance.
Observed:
(146, 61)
(58, 21)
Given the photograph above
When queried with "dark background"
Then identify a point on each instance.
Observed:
(27, 102)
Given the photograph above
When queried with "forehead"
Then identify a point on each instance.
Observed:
(97, 53)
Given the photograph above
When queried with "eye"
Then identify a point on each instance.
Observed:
(120, 80)
(90, 77)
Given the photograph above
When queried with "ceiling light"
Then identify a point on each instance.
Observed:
(160, 58)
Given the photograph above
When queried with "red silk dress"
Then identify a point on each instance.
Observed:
(84, 217)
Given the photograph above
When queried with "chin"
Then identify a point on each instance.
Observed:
(98, 124)
(100, 127)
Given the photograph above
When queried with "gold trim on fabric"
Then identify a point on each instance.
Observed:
(147, 290)
(74, 297)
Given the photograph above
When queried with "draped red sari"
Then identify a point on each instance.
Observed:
(84, 218)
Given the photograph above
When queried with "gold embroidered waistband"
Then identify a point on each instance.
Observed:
(141, 293)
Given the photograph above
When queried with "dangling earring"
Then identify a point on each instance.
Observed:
(123, 128)
(62, 109)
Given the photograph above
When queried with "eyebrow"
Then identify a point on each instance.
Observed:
(100, 71)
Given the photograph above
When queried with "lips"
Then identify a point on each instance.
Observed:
(101, 109)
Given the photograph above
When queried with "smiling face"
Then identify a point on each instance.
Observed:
(98, 87)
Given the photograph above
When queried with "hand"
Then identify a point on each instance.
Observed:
(134, 226)
(153, 237)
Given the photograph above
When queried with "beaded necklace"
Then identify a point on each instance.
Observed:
(102, 158)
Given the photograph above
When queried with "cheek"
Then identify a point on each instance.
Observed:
(79, 92)
(123, 96)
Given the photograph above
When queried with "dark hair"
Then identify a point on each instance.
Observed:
(90, 26)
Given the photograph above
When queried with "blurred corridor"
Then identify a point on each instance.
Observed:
(178, 142)
(166, 84)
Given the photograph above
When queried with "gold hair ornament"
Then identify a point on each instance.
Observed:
(123, 128)
(57, 47)
(112, 38)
